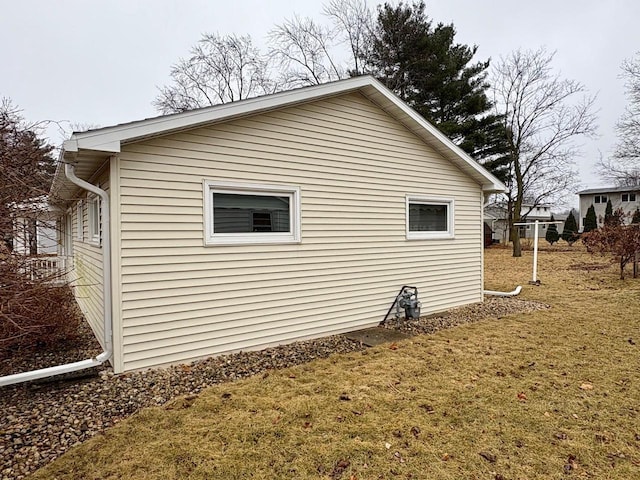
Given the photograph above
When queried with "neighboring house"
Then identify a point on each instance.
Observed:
(269, 220)
(34, 227)
(627, 198)
(496, 217)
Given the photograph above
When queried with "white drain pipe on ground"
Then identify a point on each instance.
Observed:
(69, 171)
(503, 294)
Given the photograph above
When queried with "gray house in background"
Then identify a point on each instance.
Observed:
(496, 217)
(627, 198)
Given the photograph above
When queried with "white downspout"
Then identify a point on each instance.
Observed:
(503, 294)
(493, 292)
(69, 171)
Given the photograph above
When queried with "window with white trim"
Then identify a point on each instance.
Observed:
(80, 221)
(628, 197)
(429, 217)
(238, 213)
(93, 219)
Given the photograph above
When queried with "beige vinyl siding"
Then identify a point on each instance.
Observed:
(86, 275)
(354, 165)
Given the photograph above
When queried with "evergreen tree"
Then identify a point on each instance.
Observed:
(423, 65)
(552, 235)
(590, 220)
(570, 231)
(636, 216)
(608, 213)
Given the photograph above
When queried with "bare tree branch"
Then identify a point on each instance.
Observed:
(303, 50)
(220, 69)
(353, 22)
(624, 168)
(543, 116)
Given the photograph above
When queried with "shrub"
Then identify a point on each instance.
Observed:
(608, 213)
(34, 313)
(615, 238)
(590, 220)
(552, 235)
(570, 231)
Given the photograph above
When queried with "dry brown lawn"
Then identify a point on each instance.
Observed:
(552, 394)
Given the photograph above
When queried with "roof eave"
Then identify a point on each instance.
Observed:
(109, 140)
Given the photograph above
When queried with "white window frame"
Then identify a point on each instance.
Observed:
(93, 202)
(631, 197)
(80, 221)
(254, 238)
(430, 200)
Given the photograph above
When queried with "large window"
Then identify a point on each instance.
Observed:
(429, 217)
(628, 197)
(244, 213)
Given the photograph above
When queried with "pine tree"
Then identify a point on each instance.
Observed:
(590, 220)
(424, 66)
(552, 235)
(570, 231)
(636, 216)
(608, 213)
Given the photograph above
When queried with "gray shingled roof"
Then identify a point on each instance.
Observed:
(608, 190)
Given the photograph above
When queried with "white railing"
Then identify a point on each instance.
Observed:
(51, 268)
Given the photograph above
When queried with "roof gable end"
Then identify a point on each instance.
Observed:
(109, 140)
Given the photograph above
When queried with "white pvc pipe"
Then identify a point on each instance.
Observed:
(535, 251)
(503, 294)
(106, 278)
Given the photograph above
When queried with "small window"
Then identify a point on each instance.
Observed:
(245, 214)
(429, 218)
(80, 221)
(604, 199)
(93, 219)
(628, 197)
(597, 199)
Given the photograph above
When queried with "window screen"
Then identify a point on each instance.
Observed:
(244, 213)
(425, 217)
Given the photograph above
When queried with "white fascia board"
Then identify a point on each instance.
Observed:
(493, 184)
(110, 138)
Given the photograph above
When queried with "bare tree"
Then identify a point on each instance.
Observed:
(220, 69)
(26, 168)
(543, 115)
(303, 49)
(624, 168)
(353, 23)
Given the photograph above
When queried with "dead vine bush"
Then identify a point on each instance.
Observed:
(34, 312)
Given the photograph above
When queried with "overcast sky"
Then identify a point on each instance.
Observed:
(99, 62)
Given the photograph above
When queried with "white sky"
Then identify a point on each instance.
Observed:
(99, 62)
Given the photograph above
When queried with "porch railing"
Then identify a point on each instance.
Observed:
(52, 268)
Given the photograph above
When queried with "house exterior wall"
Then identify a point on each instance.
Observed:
(586, 200)
(86, 273)
(354, 165)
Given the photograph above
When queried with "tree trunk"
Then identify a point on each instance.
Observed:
(517, 247)
(515, 229)
(32, 235)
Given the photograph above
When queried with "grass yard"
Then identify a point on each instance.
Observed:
(552, 394)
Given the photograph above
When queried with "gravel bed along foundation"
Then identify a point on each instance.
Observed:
(40, 421)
